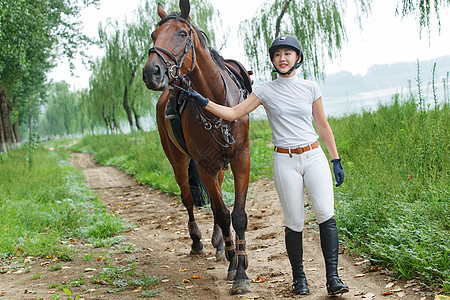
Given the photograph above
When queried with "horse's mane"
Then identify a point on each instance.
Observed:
(217, 58)
(204, 40)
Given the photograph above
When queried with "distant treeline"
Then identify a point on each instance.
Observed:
(386, 76)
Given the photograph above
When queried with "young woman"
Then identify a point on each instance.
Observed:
(291, 103)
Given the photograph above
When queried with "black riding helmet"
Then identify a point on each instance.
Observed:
(286, 41)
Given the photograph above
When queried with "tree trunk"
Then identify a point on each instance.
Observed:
(114, 119)
(2, 134)
(280, 17)
(2, 138)
(126, 106)
(16, 131)
(31, 122)
(136, 117)
(6, 120)
(105, 118)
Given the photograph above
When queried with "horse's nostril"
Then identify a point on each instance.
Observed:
(156, 70)
(151, 73)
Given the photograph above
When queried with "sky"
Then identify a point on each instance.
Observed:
(384, 38)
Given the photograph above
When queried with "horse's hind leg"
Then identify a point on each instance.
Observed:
(217, 237)
(218, 243)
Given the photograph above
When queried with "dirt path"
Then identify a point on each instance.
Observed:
(161, 244)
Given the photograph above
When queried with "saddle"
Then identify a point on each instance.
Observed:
(241, 74)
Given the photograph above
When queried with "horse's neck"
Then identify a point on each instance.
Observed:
(207, 79)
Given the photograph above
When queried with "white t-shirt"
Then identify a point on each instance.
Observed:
(288, 104)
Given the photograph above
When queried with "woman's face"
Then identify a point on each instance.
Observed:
(284, 59)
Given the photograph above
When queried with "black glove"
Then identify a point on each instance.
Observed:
(338, 171)
(195, 97)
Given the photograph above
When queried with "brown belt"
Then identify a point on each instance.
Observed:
(297, 150)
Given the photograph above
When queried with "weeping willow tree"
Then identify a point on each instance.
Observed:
(423, 10)
(318, 24)
(117, 94)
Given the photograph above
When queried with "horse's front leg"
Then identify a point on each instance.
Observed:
(180, 165)
(241, 284)
(217, 238)
(182, 178)
(241, 171)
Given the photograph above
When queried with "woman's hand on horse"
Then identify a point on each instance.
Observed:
(195, 97)
(338, 171)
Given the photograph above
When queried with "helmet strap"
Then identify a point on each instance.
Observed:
(297, 64)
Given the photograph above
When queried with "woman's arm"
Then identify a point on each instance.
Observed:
(235, 112)
(324, 129)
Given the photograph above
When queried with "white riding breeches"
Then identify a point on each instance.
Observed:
(291, 175)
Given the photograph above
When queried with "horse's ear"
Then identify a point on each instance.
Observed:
(162, 14)
(185, 7)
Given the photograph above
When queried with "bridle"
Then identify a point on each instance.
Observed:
(173, 65)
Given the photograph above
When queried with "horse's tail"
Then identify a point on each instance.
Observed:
(199, 192)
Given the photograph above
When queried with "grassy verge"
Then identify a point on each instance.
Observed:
(395, 203)
(45, 202)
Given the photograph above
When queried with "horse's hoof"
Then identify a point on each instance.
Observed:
(220, 255)
(196, 252)
(240, 286)
(231, 274)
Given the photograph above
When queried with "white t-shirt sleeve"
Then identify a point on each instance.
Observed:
(315, 91)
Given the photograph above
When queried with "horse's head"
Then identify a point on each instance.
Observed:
(173, 52)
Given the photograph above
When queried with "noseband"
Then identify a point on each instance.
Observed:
(173, 65)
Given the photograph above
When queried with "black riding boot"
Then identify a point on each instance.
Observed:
(294, 247)
(330, 248)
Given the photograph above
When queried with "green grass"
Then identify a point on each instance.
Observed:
(119, 278)
(45, 202)
(394, 205)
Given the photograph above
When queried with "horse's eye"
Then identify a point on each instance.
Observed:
(183, 33)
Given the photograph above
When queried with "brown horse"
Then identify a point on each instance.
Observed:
(178, 62)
